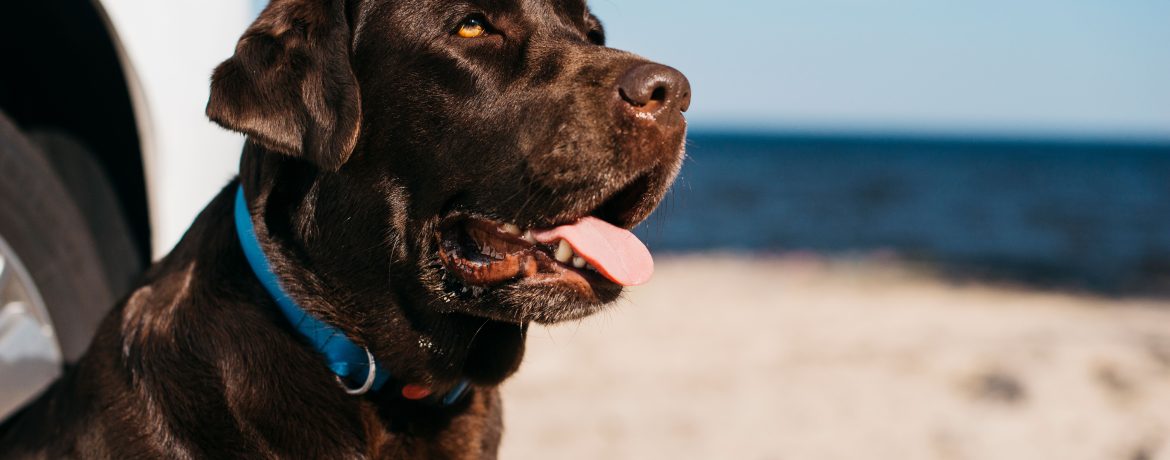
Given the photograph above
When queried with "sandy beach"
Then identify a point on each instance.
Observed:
(725, 357)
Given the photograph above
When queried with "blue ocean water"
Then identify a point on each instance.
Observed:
(1091, 213)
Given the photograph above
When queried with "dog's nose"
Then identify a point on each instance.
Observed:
(654, 88)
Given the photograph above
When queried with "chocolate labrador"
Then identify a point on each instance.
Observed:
(421, 180)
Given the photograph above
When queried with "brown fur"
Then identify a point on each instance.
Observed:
(368, 123)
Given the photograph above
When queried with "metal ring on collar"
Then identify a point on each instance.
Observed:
(369, 377)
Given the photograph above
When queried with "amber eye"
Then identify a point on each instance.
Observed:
(472, 28)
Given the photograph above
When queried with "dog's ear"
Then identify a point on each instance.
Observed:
(290, 86)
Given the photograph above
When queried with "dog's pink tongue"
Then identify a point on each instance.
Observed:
(614, 251)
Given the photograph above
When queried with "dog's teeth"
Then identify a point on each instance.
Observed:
(528, 237)
(578, 262)
(564, 252)
(511, 229)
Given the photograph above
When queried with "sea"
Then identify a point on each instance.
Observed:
(1085, 214)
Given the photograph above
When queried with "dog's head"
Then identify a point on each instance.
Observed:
(420, 159)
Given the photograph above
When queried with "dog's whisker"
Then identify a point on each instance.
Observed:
(576, 328)
(477, 331)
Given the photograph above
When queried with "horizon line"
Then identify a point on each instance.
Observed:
(929, 134)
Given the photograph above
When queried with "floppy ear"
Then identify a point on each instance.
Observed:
(290, 86)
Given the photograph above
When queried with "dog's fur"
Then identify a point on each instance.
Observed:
(368, 123)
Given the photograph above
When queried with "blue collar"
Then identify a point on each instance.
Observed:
(351, 363)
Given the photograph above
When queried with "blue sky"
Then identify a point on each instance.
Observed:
(1080, 68)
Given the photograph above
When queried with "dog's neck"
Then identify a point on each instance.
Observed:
(335, 250)
(356, 368)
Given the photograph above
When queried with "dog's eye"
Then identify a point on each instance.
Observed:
(472, 27)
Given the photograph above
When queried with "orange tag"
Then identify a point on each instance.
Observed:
(415, 392)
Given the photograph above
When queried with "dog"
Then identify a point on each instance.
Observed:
(421, 180)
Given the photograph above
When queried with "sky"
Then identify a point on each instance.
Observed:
(1044, 68)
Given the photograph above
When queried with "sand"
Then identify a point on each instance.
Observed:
(723, 357)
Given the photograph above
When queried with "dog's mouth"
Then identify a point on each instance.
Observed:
(588, 252)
